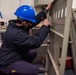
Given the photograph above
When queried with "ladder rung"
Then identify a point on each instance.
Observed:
(61, 35)
(44, 45)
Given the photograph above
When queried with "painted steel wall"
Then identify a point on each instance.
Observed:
(8, 7)
(74, 4)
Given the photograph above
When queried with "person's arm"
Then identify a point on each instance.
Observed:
(23, 40)
(48, 6)
(42, 15)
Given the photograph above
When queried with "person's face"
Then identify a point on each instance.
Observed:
(24, 23)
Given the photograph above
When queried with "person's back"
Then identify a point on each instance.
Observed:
(8, 50)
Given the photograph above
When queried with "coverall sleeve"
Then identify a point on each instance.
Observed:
(39, 17)
(31, 42)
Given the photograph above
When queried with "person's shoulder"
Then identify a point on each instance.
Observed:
(12, 21)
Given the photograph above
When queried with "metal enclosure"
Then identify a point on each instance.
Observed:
(61, 17)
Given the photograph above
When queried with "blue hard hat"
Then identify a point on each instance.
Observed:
(26, 12)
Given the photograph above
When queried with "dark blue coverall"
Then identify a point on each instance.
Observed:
(15, 53)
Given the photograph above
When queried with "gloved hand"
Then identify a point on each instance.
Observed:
(45, 22)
